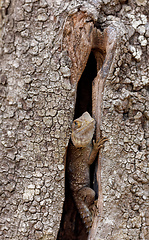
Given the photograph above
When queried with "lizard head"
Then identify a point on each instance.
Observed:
(82, 130)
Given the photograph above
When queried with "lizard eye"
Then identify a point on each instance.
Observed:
(77, 124)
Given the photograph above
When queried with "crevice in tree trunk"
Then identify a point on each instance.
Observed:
(71, 223)
(91, 52)
(84, 89)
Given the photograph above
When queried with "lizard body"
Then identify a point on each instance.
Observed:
(81, 154)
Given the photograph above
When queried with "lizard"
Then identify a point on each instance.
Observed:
(82, 152)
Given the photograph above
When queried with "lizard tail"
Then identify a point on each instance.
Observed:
(84, 213)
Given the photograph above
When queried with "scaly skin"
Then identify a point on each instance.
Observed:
(81, 154)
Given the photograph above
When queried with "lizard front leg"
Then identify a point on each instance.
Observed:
(83, 199)
(96, 146)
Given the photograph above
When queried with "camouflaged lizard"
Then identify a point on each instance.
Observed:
(82, 152)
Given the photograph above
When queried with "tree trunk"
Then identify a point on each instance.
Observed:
(59, 59)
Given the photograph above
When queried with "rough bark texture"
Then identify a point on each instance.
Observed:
(37, 103)
(125, 122)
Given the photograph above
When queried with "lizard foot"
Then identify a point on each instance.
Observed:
(99, 143)
(93, 208)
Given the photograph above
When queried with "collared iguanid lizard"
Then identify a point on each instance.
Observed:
(82, 152)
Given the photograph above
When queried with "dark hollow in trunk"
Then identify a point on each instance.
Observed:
(71, 224)
(84, 90)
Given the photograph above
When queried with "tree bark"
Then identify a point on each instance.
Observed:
(46, 48)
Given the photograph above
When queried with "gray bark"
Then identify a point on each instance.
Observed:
(37, 103)
(36, 111)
